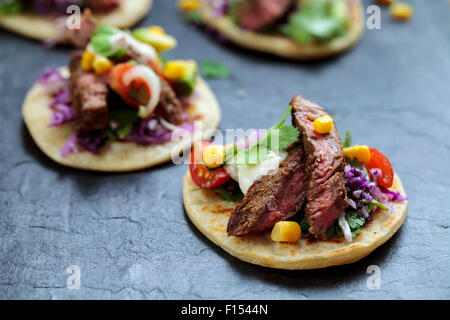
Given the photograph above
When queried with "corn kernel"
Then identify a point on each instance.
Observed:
(102, 65)
(188, 5)
(286, 231)
(213, 156)
(323, 124)
(362, 153)
(87, 60)
(401, 10)
(177, 69)
(157, 30)
(174, 70)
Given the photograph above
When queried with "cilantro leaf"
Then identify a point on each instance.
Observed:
(214, 69)
(347, 140)
(101, 44)
(354, 221)
(194, 16)
(284, 135)
(375, 203)
(11, 6)
(125, 119)
(304, 225)
(233, 8)
(236, 196)
(317, 19)
(331, 231)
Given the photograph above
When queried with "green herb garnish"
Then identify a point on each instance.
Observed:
(101, 41)
(214, 69)
(347, 140)
(258, 150)
(375, 203)
(236, 196)
(319, 20)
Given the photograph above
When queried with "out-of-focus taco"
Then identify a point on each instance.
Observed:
(119, 106)
(45, 20)
(303, 30)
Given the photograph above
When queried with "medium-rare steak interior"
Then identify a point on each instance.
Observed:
(275, 197)
(258, 14)
(325, 162)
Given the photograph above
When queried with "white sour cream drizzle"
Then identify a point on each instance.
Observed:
(139, 51)
(247, 174)
(153, 81)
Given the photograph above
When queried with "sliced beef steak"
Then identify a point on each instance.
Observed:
(326, 196)
(89, 95)
(273, 198)
(255, 15)
(101, 6)
(80, 37)
(169, 107)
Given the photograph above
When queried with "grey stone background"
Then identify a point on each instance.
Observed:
(129, 232)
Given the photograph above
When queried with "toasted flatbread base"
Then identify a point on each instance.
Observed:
(282, 46)
(46, 28)
(210, 214)
(116, 156)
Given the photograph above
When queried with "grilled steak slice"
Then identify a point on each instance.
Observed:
(101, 6)
(169, 107)
(255, 15)
(326, 197)
(80, 37)
(273, 198)
(89, 95)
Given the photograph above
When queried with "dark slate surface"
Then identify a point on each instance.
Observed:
(129, 233)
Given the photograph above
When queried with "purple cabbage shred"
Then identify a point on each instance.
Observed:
(70, 146)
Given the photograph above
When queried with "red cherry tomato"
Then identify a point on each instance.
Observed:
(200, 174)
(380, 161)
(136, 93)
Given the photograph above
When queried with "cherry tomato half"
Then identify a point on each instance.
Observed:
(380, 161)
(200, 174)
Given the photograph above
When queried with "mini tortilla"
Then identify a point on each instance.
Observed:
(282, 46)
(116, 156)
(46, 28)
(210, 213)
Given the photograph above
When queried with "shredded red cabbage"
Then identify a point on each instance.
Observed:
(360, 187)
(91, 140)
(70, 146)
(52, 6)
(219, 7)
(58, 88)
(150, 131)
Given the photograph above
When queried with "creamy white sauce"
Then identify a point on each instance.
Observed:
(247, 174)
(139, 51)
(153, 81)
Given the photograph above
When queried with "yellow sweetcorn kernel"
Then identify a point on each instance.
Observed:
(213, 156)
(157, 30)
(401, 10)
(174, 70)
(87, 60)
(360, 152)
(102, 65)
(188, 5)
(178, 69)
(323, 124)
(286, 231)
